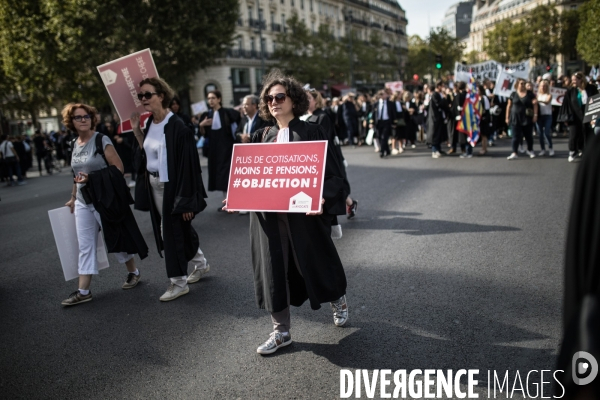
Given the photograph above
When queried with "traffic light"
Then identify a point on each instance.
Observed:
(438, 61)
(549, 68)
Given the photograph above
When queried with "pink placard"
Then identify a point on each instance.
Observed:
(122, 77)
(277, 177)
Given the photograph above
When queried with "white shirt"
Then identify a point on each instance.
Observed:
(383, 112)
(155, 147)
(398, 106)
(7, 149)
(216, 121)
(248, 126)
(283, 136)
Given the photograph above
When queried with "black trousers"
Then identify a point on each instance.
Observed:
(578, 135)
(384, 130)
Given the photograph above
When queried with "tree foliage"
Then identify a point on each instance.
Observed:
(541, 35)
(318, 57)
(49, 49)
(496, 41)
(588, 39)
(422, 52)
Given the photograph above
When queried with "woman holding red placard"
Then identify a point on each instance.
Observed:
(293, 256)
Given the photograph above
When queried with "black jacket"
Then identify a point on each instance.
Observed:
(581, 306)
(571, 111)
(391, 109)
(112, 199)
(182, 194)
(257, 124)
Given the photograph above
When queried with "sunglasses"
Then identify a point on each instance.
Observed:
(80, 118)
(279, 98)
(147, 95)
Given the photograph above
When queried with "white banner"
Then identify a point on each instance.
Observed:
(65, 235)
(505, 85)
(396, 87)
(490, 70)
(199, 108)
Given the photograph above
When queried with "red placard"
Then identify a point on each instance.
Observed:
(122, 77)
(277, 177)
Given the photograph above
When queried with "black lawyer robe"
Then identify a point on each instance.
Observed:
(581, 306)
(220, 148)
(183, 193)
(321, 278)
(112, 199)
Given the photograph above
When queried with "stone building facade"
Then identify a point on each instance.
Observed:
(240, 72)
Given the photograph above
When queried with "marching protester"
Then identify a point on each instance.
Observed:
(457, 105)
(399, 132)
(521, 114)
(93, 152)
(384, 114)
(572, 111)
(293, 255)
(316, 115)
(410, 111)
(419, 117)
(218, 126)
(436, 129)
(544, 99)
(169, 185)
(581, 327)
(485, 123)
(350, 119)
(251, 122)
(11, 161)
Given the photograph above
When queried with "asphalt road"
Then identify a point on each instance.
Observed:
(450, 263)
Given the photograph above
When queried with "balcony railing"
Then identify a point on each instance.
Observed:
(276, 27)
(241, 53)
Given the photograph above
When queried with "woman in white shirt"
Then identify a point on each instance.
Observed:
(169, 185)
(545, 118)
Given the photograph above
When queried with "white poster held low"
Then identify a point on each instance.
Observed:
(65, 235)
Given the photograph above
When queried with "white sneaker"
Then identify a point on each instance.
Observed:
(551, 153)
(571, 158)
(531, 154)
(198, 273)
(542, 153)
(174, 292)
(521, 149)
(414, 146)
(513, 156)
(394, 152)
(437, 154)
(336, 231)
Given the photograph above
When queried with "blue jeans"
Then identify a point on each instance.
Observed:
(545, 130)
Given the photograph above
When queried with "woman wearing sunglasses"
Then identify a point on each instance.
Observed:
(169, 185)
(293, 256)
(82, 119)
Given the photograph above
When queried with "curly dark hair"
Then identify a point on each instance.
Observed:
(161, 87)
(293, 89)
(68, 111)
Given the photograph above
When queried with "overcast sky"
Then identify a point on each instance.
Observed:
(418, 11)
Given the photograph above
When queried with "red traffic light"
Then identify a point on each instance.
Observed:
(415, 77)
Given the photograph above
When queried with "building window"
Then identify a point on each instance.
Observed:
(283, 22)
(292, 3)
(252, 45)
(282, 1)
(250, 14)
(311, 5)
(240, 76)
(272, 20)
(241, 43)
(312, 26)
(260, 15)
(302, 4)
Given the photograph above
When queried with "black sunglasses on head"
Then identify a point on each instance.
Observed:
(279, 98)
(80, 118)
(146, 95)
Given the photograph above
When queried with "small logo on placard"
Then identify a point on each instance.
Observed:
(300, 202)
(108, 77)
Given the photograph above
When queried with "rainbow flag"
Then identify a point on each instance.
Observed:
(470, 116)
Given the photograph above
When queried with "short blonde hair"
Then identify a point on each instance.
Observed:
(69, 110)
(319, 102)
